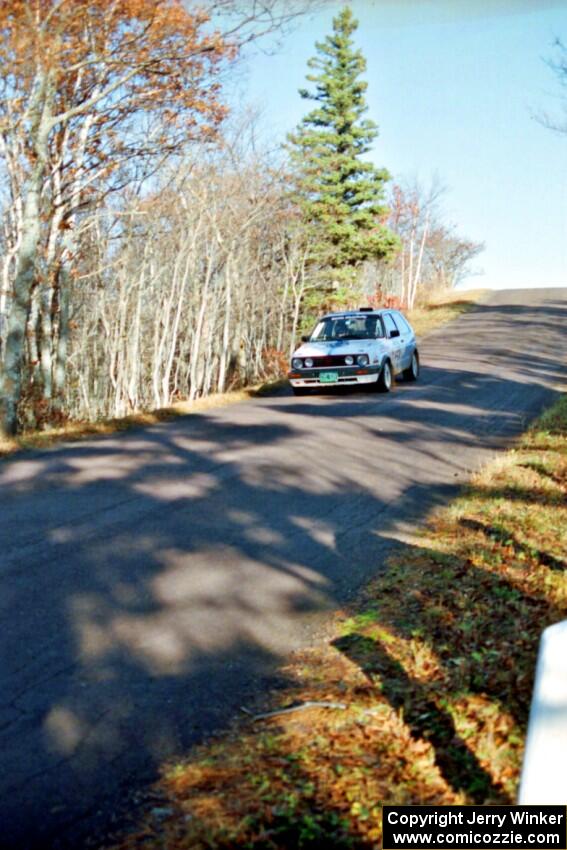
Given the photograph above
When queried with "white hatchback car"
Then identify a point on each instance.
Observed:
(367, 347)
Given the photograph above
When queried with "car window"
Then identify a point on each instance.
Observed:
(347, 327)
(402, 324)
(389, 324)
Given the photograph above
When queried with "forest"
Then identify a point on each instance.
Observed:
(151, 249)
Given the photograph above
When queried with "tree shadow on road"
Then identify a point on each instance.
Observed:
(152, 582)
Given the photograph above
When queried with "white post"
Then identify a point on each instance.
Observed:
(544, 773)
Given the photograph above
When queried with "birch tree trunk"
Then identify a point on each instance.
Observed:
(25, 278)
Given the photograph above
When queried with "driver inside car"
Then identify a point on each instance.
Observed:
(341, 329)
(370, 327)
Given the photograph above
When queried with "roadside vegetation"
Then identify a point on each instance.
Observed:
(421, 694)
(424, 318)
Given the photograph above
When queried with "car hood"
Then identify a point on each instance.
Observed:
(320, 349)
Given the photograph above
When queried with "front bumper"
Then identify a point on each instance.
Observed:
(349, 376)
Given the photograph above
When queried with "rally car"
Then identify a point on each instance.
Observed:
(366, 347)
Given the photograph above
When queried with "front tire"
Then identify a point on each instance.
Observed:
(412, 372)
(385, 379)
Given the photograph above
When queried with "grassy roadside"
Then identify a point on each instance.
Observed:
(427, 317)
(424, 318)
(433, 668)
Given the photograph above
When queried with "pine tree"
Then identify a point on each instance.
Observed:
(341, 194)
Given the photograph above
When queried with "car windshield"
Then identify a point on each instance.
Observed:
(347, 327)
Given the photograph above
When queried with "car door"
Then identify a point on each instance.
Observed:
(394, 342)
(407, 338)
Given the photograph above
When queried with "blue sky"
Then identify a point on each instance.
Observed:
(453, 86)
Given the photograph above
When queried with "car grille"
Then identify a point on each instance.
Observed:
(329, 360)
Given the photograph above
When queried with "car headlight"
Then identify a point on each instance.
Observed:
(363, 360)
(349, 360)
(297, 363)
(308, 362)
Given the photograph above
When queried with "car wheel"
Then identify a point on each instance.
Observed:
(412, 372)
(385, 379)
(300, 390)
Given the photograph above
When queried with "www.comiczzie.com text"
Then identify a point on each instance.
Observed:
(480, 827)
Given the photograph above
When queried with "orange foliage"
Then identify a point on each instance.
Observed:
(384, 300)
(67, 58)
(275, 363)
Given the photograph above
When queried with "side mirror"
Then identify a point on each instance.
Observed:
(305, 338)
(394, 334)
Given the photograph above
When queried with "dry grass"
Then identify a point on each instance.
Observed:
(434, 664)
(427, 317)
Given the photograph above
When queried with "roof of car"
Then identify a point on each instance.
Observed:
(346, 314)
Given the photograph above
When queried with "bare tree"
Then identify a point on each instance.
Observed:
(558, 64)
(195, 287)
(432, 256)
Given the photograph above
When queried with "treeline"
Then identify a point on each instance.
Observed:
(196, 287)
(149, 251)
(432, 258)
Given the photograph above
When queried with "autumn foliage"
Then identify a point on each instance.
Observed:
(142, 48)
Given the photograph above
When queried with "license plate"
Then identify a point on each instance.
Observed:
(328, 377)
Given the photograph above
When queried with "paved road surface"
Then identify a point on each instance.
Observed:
(151, 581)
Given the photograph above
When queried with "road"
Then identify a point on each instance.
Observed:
(152, 581)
